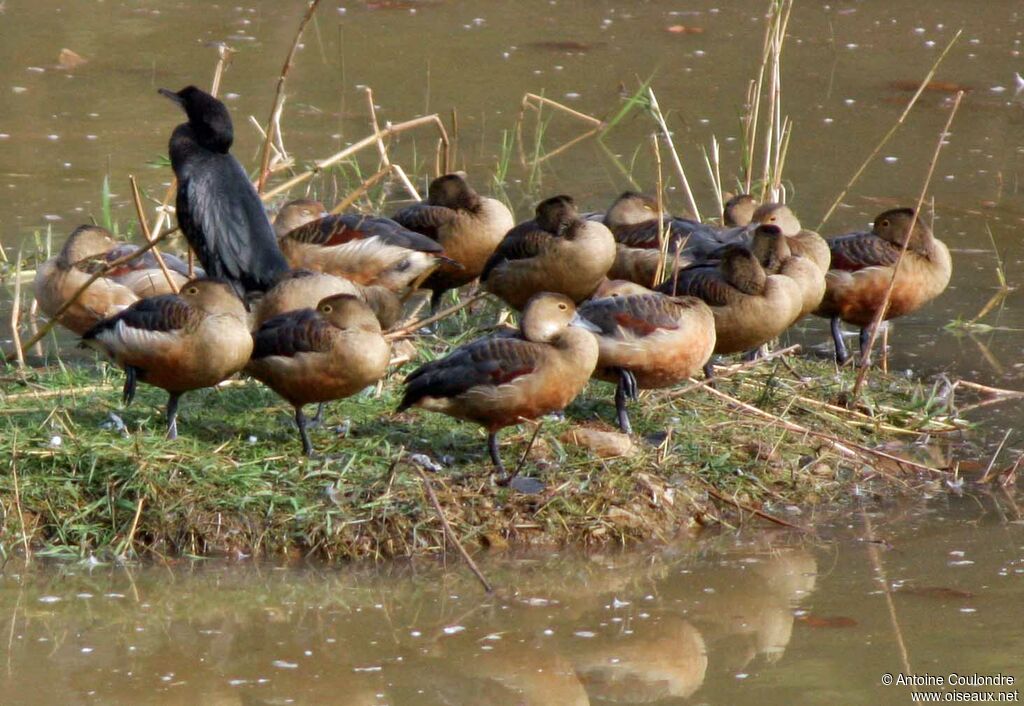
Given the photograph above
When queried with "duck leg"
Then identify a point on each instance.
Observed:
(709, 373)
(625, 390)
(131, 377)
(300, 422)
(842, 355)
(172, 414)
(318, 418)
(492, 449)
(863, 338)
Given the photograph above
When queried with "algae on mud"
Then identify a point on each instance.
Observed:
(81, 482)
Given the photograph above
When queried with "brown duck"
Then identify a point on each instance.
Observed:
(365, 249)
(647, 339)
(750, 306)
(499, 381)
(468, 226)
(60, 277)
(318, 355)
(633, 220)
(304, 289)
(555, 252)
(178, 342)
(863, 264)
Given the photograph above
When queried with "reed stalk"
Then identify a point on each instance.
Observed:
(892, 131)
(666, 135)
(273, 121)
(137, 198)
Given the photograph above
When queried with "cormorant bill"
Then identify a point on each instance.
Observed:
(218, 209)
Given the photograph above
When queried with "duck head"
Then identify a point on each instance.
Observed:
(348, 313)
(452, 191)
(86, 242)
(297, 213)
(777, 214)
(630, 208)
(214, 297)
(557, 214)
(546, 315)
(739, 210)
(769, 247)
(741, 269)
(894, 225)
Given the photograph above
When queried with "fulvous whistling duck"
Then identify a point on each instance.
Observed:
(304, 289)
(178, 342)
(60, 277)
(647, 339)
(863, 264)
(318, 355)
(779, 254)
(499, 381)
(633, 220)
(468, 226)
(750, 306)
(365, 249)
(217, 207)
(555, 252)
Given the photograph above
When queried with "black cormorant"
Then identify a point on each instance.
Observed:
(218, 209)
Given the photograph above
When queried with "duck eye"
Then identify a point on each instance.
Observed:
(192, 290)
(326, 308)
(563, 307)
(885, 223)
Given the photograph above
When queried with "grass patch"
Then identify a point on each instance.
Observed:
(234, 483)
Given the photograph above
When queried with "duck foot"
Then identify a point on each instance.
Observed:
(499, 468)
(172, 415)
(842, 354)
(300, 422)
(709, 375)
(626, 389)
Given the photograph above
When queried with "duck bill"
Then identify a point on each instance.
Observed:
(585, 324)
(166, 93)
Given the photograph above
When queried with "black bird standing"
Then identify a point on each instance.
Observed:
(218, 209)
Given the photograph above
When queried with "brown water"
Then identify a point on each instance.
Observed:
(739, 620)
(733, 620)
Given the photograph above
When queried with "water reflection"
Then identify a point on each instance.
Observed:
(736, 619)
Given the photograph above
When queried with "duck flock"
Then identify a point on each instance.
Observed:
(302, 304)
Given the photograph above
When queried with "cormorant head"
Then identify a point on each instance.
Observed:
(207, 116)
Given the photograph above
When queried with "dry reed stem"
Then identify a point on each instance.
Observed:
(450, 533)
(19, 352)
(17, 497)
(564, 108)
(273, 120)
(566, 145)
(892, 131)
(880, 314)
(130, 539)
(876, 561)
(666, 135)
(663, 232)
(445, 313)
(526, 453)
(713, 492)
(733, 369)
(320, 165)
(360, 190)
(224, 53)
(137, 198)
(845, 448)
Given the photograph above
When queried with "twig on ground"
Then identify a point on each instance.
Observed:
(428, 488)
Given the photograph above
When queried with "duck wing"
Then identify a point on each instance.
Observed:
(344, 228)
(524, 241)
(291, 333)
(703, 281)
(425, 219)
(638, 315)
(859, 250)
(223, 219)
(487, 362)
